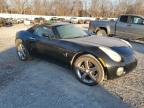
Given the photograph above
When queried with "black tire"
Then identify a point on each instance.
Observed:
(101, 33)
(22, 51)
(89, 70)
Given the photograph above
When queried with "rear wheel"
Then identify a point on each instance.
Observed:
(101, 33)
(89, 70)
(22, 52)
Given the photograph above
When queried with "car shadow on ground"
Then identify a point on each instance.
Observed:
(10, 66)
(46, 82)
(50, 60)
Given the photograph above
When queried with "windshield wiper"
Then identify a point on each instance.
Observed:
(77, 37)
(81, 36)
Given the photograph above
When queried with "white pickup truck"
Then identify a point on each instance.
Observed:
(130, 27)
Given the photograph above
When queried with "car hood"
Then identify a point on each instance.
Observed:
(114, 43)
(98, 41)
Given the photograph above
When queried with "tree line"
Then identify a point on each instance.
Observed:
(91, 8)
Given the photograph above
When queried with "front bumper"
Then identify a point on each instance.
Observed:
(128, 64)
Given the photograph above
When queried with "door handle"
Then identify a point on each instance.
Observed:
(129, 25)
(32, 38)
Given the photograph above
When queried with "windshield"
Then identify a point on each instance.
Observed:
(70, 31)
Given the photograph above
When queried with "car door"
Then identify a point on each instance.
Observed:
(136, 27)
(121, 27)
(45, 41)
(48, 43)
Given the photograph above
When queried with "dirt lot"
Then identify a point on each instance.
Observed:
(43, 83)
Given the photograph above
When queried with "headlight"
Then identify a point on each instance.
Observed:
(126, 43)
(112, 54)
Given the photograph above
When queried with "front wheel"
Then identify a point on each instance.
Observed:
(89, 70)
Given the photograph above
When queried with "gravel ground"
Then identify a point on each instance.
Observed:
(130, 88)
(43, 83)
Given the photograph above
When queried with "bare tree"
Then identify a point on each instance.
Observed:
(3, 6)
(139, 7)
(19, 5)
(101, 8)
(96, 8)
(77, 8)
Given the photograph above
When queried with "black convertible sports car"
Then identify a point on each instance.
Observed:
(93, 58)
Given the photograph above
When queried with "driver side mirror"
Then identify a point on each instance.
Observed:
(48, 36)
(142, 22)
(45, 35)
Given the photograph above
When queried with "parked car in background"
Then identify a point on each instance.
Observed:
(27, 22)
(80, 21)
(51, 22)
(39, 20)
(93, 58)
(19, 20)
(8, 22)
(2, 22)
(61, 19)
(14, 21)
(74, 20)
(54, 19)
(130, 27)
